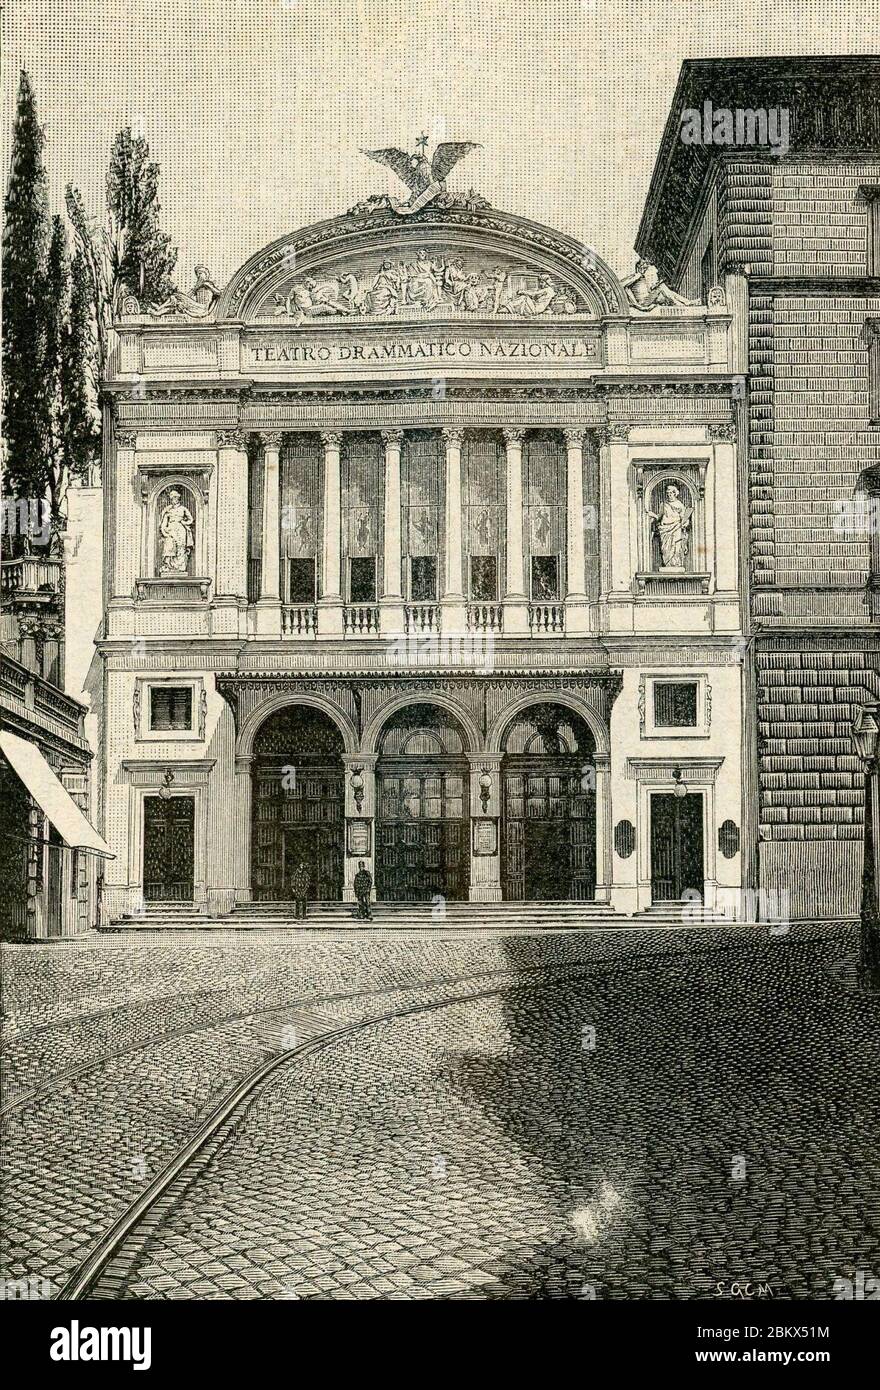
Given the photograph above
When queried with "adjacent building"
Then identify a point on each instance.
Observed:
(791, 230)
(51, 855)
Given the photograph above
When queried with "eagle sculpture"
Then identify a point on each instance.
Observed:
(424, 180)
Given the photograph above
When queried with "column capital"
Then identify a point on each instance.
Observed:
(453, 435)
(272, 439)
(232, 439)
(723, 433)
(126, 439)
(391, 437)
(614, 432)
(574, 436)
(513, 436)
(331, 439)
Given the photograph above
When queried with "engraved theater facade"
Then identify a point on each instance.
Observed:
(422, 553)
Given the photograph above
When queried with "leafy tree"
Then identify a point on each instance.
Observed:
(55, 309)
(126, 254)
(27, 405)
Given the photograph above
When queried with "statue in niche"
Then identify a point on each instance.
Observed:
(176, 535)
(672, 526)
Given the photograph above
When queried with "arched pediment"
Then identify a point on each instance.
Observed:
(453, 264)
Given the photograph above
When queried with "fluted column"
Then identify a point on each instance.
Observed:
(330, 588)
(392, 592)
(232, 526)
(577, 616)
(330, 618)
(453, 523)
(454, 620)
(268, 608)
(515, 601)
(270, 573)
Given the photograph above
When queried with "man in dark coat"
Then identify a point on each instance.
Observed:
(363, 883)
(299, 888)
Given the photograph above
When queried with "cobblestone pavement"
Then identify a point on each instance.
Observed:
(719, 1125)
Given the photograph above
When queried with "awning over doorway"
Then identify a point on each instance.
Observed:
(51, 795)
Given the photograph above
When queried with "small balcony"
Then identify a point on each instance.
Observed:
(34, 577)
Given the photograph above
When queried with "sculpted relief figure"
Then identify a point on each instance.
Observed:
(176, 535)
(672, 524)
(198, 304)
(428, 285)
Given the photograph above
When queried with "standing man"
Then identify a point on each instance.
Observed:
(363, 883)
(299, 888)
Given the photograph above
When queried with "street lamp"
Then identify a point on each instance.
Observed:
(357, 786)
(679, 789)
(485, 788)
(865, 735)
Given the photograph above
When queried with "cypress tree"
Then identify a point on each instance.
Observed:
(26, 392)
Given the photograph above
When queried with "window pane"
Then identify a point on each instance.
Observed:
(423, 578)
(484, 578)
(363, 580)
(302, 580)
(545, 577)
(171, 707)
(675, 705)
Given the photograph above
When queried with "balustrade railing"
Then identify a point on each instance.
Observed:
(361, 619)
(31, 574)
(485, 617)
(299, 620)
(422, 617)
(546, 617)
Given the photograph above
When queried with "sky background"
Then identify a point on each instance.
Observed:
(256, 110)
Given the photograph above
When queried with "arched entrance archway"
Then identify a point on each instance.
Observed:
(422, 788)
(549, 805)
(298, 809)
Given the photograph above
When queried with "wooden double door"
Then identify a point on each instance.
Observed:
(676, 846)
(298, 815)
(549, 831)
(422, 833)
(169, 848)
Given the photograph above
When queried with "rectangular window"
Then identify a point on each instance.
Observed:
(675, 704)
(545, 578)
(301, 580)
(484, 578)
(363, 579)
(423, 579)
(171, 707)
